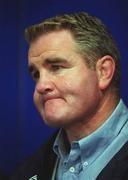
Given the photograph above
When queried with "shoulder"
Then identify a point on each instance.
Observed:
(117, 168)
(2, 176)
(37, 163)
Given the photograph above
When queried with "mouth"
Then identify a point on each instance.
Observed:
(49, 98)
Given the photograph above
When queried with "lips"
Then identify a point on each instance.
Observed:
(49, 97)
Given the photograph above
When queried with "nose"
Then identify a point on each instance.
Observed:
(44, 85)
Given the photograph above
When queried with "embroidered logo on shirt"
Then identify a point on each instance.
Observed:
(33, 178)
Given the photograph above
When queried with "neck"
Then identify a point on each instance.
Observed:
(83, 128)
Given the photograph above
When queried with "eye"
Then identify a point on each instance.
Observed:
(34, 73)
(56, 67)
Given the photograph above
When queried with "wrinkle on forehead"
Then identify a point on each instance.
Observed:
(52, 41)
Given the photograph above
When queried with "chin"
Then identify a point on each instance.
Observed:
(54, 123)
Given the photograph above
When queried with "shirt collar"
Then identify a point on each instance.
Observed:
(94, 144)
(60, 144)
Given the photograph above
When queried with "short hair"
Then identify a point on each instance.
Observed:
(92, 38)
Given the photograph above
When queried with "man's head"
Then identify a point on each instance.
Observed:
(92, 38)
(74, 62)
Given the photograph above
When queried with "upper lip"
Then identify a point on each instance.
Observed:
(49, 97)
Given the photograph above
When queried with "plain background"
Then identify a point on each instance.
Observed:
(21, 129)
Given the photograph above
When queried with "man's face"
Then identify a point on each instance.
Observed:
(66, 90)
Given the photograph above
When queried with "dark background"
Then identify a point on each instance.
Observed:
(21, 128)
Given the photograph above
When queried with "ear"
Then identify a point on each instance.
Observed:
(105, 68)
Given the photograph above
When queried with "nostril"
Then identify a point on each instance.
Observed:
(47, 90)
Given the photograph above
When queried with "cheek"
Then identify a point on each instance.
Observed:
(72, 88)
(35, 98)
(85, 89)
(67, 87)
(70, 81)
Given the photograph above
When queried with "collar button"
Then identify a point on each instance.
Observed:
(72, 169)
(85, 164)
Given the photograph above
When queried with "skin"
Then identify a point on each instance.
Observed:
(67, 93)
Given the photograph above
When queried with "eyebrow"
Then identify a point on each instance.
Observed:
(55, 60)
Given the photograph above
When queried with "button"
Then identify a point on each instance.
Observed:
(72, 169)
(85, 164)
(75, 145)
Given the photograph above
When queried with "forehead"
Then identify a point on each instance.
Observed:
(53, 41)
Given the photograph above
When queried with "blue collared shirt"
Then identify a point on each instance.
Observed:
(88, 156)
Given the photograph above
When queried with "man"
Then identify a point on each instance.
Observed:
(75, 64)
